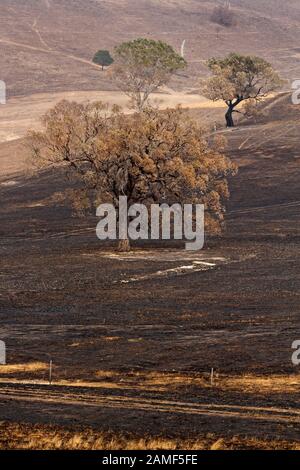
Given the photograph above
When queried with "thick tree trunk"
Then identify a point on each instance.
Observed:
(124, 245)
(229, 118)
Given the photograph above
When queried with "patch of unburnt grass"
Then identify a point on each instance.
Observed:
(42, 437)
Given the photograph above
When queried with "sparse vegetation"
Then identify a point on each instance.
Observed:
(142, 66)
(238, 78)
(224, 15)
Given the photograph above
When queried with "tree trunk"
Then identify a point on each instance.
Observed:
(124, 245)
(229, 118)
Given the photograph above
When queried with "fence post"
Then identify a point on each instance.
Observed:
(50, 372)
(212, 377)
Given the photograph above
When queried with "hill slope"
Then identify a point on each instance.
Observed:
(129, 321)
(46, 45)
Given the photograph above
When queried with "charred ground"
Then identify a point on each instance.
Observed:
(139, 340)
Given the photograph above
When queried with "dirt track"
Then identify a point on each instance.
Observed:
(47, 50)
(74, 396)
(129, 410)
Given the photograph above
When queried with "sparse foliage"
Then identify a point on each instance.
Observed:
(103, 58)
(142, 66)
(224, 15)
(238, 78)
(251, 109)
(150, 157)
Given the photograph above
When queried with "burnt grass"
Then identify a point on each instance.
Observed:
(61, 296)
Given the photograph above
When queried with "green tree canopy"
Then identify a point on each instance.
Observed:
(237, 78)
(103, 58)
(142, 66)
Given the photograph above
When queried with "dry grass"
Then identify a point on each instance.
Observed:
(39, 437)
(248, 383)
(21, 368)
(24, 113)
(156, 381)
(111, 338)
(105, 374)
(263, 384)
